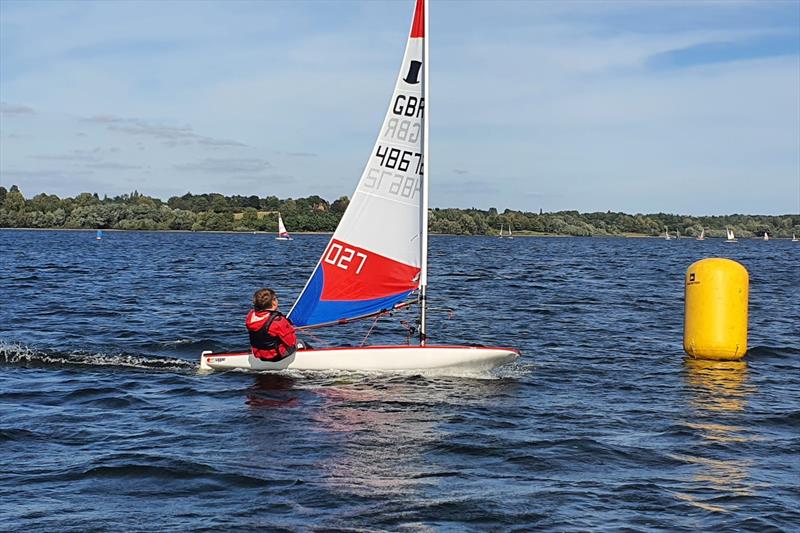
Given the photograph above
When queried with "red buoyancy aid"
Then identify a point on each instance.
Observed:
(272, 335)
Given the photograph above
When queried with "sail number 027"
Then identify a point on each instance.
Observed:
(342, 257)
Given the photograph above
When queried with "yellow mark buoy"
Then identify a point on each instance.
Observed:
(715, 312)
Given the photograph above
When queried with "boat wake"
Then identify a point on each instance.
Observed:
(21, 355)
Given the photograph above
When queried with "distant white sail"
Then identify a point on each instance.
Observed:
(283, 235)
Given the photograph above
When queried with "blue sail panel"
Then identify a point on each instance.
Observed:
(310, 309)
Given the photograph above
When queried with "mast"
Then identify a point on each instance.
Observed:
(423, 275)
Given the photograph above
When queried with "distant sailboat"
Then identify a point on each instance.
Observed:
(766, 236)
(731, 236)
(99, 235)
(702, 236)
(508, 235)
(794, 238)
(283, 235)
(666, 234)
(677, 234)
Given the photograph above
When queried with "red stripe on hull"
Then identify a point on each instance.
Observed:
(351, 348)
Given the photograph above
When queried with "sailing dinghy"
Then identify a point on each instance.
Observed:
(377, 259)
(702, 236)
(503, 235)
(283, 235)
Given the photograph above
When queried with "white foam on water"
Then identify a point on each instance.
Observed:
(20, 354)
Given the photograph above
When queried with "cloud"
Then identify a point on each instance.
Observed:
(74, 155)
(111, 165)
(103, 119)
(15, 110)
(40, 173)
(225, 166)
(61, 182)
(264, 179)
(460, 171)
(135, 127)
(171, 136)
(93, 155)
(466, 187)
(208, 141)
(52, 181)
(295, 154)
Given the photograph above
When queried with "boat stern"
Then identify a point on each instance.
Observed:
(204, 361)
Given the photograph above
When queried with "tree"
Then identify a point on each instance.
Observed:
(219, 204)
(14, 200)
(86, 198)
(340, 205)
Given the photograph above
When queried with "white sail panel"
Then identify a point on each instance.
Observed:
(281, 228)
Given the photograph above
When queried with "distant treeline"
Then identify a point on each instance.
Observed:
(216, 212)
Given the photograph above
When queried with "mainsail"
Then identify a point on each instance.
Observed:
(281, 228)
(377, 255)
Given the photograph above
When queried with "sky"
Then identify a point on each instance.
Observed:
(640, 106)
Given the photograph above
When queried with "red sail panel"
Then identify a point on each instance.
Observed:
(418, 27)
(353, 273)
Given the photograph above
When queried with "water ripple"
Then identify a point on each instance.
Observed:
(603, 424)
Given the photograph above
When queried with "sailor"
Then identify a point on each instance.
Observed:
(272, 335)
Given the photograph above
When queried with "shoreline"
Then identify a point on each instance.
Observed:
(518, 235)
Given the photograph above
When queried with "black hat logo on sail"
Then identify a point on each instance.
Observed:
(412, 78)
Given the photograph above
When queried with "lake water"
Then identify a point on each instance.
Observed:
(601, 425)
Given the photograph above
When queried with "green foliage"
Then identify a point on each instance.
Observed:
(14, 200)
(216, 212)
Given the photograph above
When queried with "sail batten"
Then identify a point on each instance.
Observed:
(375, 258)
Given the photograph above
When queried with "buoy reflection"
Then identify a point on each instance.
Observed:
(718, 385)
(719, 392)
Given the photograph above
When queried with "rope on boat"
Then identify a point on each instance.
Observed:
(411, 328)
(369, 332)
(343, 321)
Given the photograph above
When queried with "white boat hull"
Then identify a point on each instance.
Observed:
(370, 358)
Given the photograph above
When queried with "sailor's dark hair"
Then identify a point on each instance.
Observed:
(263, 299)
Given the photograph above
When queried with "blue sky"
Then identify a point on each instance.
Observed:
(639, 106)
